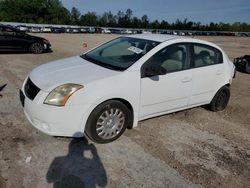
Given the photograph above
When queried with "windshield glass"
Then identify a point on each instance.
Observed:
(120, 53)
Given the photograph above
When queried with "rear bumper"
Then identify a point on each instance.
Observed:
(234, 73)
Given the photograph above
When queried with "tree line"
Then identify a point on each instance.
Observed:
(53, 12)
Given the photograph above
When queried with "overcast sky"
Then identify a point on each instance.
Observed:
(205, 11)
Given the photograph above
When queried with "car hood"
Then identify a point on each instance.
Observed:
(70, 70)
(28, 36)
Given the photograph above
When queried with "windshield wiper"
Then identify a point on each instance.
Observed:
(100, 63)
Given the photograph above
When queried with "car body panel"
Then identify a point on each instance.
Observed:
(160, 94)
(206, 81)
(80, 71)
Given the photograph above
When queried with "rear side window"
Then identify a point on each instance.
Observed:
(206, 55)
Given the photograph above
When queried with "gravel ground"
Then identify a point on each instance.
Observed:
(191, 148)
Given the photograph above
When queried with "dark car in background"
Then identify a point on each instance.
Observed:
(58, 30)
(12, 39)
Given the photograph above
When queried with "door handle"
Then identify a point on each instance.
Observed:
(186, 79)
(219, 72)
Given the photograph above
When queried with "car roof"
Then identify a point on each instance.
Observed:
(163, 37)
(155, 37)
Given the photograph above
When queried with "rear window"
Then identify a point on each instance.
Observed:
(206, 55)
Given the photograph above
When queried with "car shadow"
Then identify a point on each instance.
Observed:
(81, 167)
(21, 52)
(14, 52)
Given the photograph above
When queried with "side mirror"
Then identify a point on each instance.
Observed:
(154, 71)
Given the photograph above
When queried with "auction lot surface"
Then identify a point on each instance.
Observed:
(191, 148)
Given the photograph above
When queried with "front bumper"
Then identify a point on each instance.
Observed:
(66, 121)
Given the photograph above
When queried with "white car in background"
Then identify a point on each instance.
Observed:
(127, 31)
(131, 78)
(22, 28)
(46, 29)
(106, 31)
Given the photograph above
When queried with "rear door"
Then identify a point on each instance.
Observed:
(208, 73)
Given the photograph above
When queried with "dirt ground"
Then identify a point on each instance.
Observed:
(191, 148)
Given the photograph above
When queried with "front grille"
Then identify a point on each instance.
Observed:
(30, 89)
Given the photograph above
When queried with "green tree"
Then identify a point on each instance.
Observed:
(89, 19)
(136, 23)
(155, 25)
(53, 12)
(145, 21)
(33, 11)
(75, 15)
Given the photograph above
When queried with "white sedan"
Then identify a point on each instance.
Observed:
(131, 78)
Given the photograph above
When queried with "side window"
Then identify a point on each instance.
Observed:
(7, 31)
(172, 58)
(205, 55)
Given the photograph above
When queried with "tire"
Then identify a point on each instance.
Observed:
(36, 48)
(108, 121)
(220, 99)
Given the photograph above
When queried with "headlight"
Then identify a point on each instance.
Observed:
(61, 94)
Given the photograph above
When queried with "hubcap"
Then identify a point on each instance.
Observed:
(37, 48)
(110, 123)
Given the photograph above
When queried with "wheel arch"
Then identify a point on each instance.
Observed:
(215, 92)
(126, 103)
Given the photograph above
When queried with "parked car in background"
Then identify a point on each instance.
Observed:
(131, 78)
(22, 28)
(12, 39)
(146, 32)
(34, 30)
(46, 29)
(91, 30)
(82, 30)
(75, 30)
(134, 32)
(58, 30)
(106, 31)
(127, 31)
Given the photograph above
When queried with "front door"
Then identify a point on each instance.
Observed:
(169, 92)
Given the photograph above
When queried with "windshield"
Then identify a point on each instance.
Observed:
(120, 53)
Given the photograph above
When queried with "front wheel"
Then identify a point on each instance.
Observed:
(36, 48)
(108, 121)
(220, 99)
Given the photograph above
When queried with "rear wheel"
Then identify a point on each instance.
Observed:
(108, 121)
(36, 48)
(220, 99)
